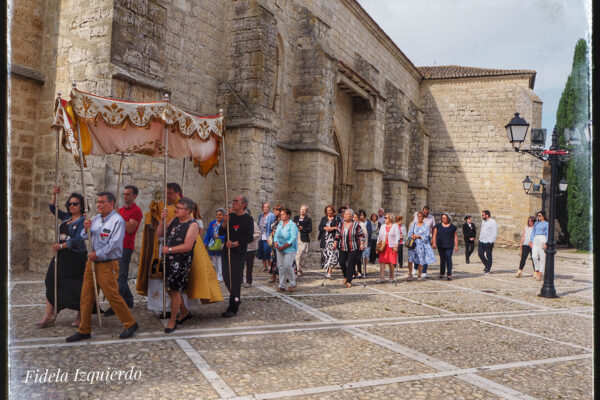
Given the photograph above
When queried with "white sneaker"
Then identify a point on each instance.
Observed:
(424, 275)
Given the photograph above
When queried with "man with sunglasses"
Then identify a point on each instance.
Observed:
(106, 231)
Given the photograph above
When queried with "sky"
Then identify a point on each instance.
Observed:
(537, 35)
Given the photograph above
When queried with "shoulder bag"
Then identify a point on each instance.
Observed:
(410, 242)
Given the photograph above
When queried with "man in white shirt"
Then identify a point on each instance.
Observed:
(487, 237)
(428, 220)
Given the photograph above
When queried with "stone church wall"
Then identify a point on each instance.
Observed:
(472, 166)
(273, 66)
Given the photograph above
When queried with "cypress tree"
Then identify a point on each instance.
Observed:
(573, 113)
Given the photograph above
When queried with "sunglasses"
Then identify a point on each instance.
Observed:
(72, 204)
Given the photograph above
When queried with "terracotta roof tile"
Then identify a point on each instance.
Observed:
(456, 71)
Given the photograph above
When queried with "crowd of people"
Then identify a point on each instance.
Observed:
(196, 260)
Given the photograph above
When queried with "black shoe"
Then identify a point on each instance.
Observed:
(78, 336)
(171, 330)
(182, 320)
(167, 317)
(228, 314)
(127, 333)
(467, 261)
(109, 312)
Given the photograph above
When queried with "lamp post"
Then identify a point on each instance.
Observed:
(533, 189)
(516, 130)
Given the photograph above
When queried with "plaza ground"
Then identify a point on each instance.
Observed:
(475, 337)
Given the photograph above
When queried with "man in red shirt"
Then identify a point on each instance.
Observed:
(132, 215)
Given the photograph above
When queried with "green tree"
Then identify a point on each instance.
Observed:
(573, 113)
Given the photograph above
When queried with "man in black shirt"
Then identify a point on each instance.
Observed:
(469, 233)
(305, 228)
(241, 229)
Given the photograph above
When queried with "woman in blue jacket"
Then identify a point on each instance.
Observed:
(72, 256)
(537, 242)
(211, 240)
(285, 242)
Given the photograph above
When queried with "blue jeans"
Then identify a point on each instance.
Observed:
(445, 261)
(123, 275)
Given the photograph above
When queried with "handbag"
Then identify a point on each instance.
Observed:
(380, 248)
(270, 239)
(215, 244)
(410, 242)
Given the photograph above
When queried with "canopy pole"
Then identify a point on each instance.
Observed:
(119, 181)
(165, 171)
(183, 176)
(226, 200)
(56, 236)
(85, 207)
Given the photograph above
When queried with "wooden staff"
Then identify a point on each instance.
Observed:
(85, 207)
(183, 176)
(166, 155)
(56, 235)
(226, 199)
(119, 181)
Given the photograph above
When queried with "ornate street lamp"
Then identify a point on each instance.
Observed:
(562, 185)
(527, 184)
(516, 130)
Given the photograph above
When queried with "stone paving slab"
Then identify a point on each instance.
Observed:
(565, 380)
(284, 361)
(469, 343)
(165, 372)
(563, 327)
(22, 323)
(443, 388)
(467, 302)
(361, 307)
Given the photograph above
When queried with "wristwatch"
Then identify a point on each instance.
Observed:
(170, 250)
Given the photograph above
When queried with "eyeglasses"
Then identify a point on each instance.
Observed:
(180, 208)
(72, 204)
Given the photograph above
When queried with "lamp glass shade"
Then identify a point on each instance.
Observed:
(562, 185)
(516, 130)
(527, 184)
(536, 187)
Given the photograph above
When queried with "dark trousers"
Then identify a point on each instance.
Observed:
(445, 261)
(485, 254)
(524, 254)
(400, 251)
(359, 263)
(348, 263)
(124, 275)
(373, 253)
(469, 247)
(249, 265)
(234, 284)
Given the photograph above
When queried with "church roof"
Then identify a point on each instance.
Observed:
(456, 71)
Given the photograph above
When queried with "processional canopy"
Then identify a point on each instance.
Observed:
(109, 126)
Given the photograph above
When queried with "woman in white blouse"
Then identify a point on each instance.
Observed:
(390, 235)
(524, 246)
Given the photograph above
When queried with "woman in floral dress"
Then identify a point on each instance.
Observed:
(182, 232)
(327, 231)
(422, 253)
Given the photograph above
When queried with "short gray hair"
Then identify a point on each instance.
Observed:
(349, 209)
(222, 210)
(305, 206)
(187, 203)
(245, 201)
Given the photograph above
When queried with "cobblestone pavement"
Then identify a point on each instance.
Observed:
(475, 337)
